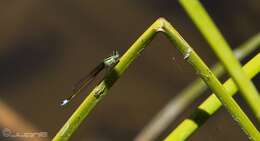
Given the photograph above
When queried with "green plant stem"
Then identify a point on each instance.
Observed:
(183, 99)
(186, 128)
(209, 78)
(90, 102)
(221, 48)
(160, 25)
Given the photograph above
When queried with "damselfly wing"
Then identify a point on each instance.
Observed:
(108, 62)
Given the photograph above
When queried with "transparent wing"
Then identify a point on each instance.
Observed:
(84, 82)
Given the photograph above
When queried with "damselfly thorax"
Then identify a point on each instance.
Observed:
(107, 63)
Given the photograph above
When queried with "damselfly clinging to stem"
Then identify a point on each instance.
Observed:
(107, 63)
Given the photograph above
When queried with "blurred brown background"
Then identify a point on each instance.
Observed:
(46, 46)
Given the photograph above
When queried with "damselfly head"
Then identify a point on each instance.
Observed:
(111, 60)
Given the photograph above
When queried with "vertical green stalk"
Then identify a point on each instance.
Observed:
(161, 25)
(176, 105)
(209, 78)
(221, 48)
(210, 106)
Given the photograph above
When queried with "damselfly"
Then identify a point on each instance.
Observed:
(107, 63)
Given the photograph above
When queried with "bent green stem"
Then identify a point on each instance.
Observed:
(160, 25)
